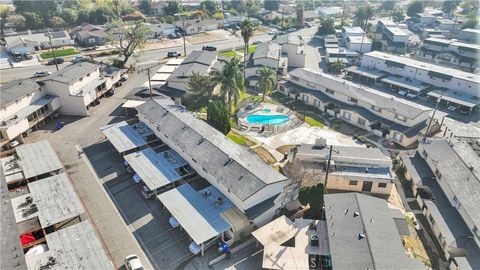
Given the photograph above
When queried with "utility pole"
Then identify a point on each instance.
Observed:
(433, 115)
(53, 51)
(453, 27)
(149, 83)
(328, 166)
(283, 20)
(184, 34)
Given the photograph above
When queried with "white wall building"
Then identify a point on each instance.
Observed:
(293, 47)
(470, 35)
(269, 55)
(356, 39)
(394, 36)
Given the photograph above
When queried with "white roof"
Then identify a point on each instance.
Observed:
(160, 77)
(167, 68)
(198, 214)
(132, 103)
(359, 39)
(175, 62)
(463, 99)
(37, 158)
(125, 137)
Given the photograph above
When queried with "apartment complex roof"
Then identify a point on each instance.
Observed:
(72, 73)
(198, 212)
(293, 39)
(125, 137)
(11, 253)
(369, 95)
(267, 50)
(37, 158)
(362, 234)
(460, 129)
(15, 90)
(73, 247)
(425, 66)
(240, 171)
(459, 168)
(349, 154)
(56, 199)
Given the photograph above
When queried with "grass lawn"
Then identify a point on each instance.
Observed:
(252, 48)
(59, 53)
(313, 122)
(239, 139)
(228, 54)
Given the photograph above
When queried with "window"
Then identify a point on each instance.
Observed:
(295, 78)
(361, 122)
(401, 117)
(353, 100)
(456, 202)
(430, 218)
(438, 174)
(353, 183)
(311, 84)
(88, 74)
(346, 116)
(305, 98)
(376, 108)
(382, 185)
(81, 79)
(329, 91)
(425, 154)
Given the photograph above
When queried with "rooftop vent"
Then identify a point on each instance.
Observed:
(346, 211)
(361, 235)
(219, 201)
(206, 193)
(314, 240)
(356, 214)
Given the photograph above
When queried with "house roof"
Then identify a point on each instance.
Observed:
(15, 90)
(36, 38)
(459, 167)
(369, 95)
(200, 57)
(238, 170)
(267, 50)
(37, 158)
(101, 33)
(461, 130)
(292, 38)
(362, 234)
(14, 41)
(72, 73)
(348, 154)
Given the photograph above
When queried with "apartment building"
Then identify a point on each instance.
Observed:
(447, 191)
(354, 38)
(293, 47)
(383, 114)
(269, 55)
(23, 106)
(352, 169)
(456, 88)
(450, 53)
(394, 37)
(79, 85)
(469, 35)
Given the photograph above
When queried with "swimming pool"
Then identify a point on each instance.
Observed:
(267, 119)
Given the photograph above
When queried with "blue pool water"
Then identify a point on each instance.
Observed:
(267, 119)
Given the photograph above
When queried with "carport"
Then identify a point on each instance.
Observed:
(198, 212)
(460, 99)
(157, 170)
(125, 137)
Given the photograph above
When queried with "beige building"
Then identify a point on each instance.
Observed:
(293, 47)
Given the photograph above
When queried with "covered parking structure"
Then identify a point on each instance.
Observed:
(369, 76)
(199, 213)
(127, 138)
(159, 171)
(454, 100)
(404, 85)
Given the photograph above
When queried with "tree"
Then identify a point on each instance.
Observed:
(145, 6)
(470, 23)
(169, 19)
(239, 6)
(312, 196)
(56, 22)
(246, 30)
(272, 5)
(18, 21)
(337, 66)
(131, 39)
(414, 8)
(200, 92)
(300, 10)
(398, 15)
(173, 7)
(362, 15)
(230, 80)
(267, 80)
(210, 6)
(4, 12)
(33, 20)
(83, 16)
(253, 6)
(102, 15)
(218, 15)
(449, 6)
(387, 5)
(326, 27)
(218, 117)
(70, 16)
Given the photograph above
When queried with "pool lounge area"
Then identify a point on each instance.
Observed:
(261, 116)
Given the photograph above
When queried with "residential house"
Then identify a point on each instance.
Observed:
(396, 119)
(330, 12)
(449, 25)
(446, 190)
(450, 53)
(422, 20)
(24, 105)
(293, 47)
(451, 128)
(161, 30)
(78, 85)
(33, 42)
(267, 54)
(354, 38)
(342, 54)
(236, 21)
(89, 35)
(196, 26)
(459, 88)
(20, 45)
(394, 36)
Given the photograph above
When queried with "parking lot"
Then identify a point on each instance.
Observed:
(166, 247)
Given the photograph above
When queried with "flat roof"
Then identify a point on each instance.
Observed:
(11, 253)
(175, 61)
(199, 215)
(370, 73)
(132, 103)
(37, 158)
(460, 129)
(359, 39)
(160, 77)
(167, 68)
(125, 137)
(74, 247)
(12, 169)
(56, 199)
(415, 86)
(156, 169)
(460, 98)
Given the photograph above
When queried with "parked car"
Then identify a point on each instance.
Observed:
(93, 48)
(257, 42)
(209, 48)
(147, 192)
(41, 73)
(13, 144)
(109, 93)
(133, 262)
(173, 54)
(18, 57)
(290, 30)
(308, 25)
(78, 59)
(172, 36)
(173, 222)
(56, 61)
(124, 77)
(28, 56)
(196, 249)
(118, 84)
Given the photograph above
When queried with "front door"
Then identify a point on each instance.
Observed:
(367, 186)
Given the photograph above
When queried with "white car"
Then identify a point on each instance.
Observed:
(173, 222)
(136, 178)
(13, 143)
(124, 77)
(132, 262)
(194, 248)
(41, 73)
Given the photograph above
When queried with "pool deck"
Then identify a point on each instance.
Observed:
(262, 109)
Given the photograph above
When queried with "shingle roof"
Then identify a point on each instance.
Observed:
(72, 73)
(267, 50)
(201, 57)
(346, 154)
(240, 171)
(14, 90)
(362, 234)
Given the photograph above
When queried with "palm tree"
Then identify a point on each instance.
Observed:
(267, 80)
(246, 29)
(230, 80)
(362, 15)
